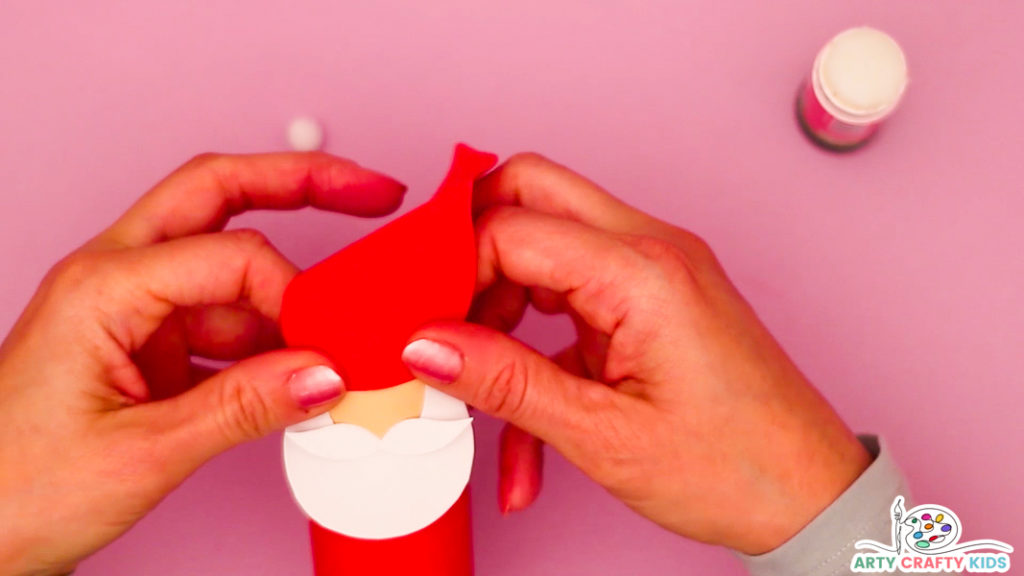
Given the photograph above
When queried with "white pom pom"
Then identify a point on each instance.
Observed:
(305, 134)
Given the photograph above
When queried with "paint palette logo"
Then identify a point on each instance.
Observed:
(931, 529)
(926, 538)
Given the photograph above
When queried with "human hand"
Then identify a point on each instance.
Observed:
(674, 397)
(103, 410)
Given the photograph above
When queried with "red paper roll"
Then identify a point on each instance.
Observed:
(359, 307)
(445, 548)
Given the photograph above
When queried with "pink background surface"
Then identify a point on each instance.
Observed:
(892, 275)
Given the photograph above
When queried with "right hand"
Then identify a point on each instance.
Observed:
(675, 397)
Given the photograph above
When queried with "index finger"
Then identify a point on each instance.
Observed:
(539, 184)
(206, 192)
(601, 276)
(535, 182)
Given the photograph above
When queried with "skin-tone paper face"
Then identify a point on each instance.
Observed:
(437, 424)
(379, 410)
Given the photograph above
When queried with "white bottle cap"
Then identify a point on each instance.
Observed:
(305, 134)
(860, 75)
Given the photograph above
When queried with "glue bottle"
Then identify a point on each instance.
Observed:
(857, 80)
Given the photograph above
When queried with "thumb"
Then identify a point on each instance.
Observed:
(248, 400)
(506, 379)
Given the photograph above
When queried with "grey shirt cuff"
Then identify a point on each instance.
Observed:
(825, 546)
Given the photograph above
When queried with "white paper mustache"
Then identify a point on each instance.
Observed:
(406, 438)
(352, 482)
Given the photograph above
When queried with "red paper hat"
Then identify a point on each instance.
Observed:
(361, 305)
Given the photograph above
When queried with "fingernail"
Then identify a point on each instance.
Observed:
(390, 183)
(516, 490)
(315, 385)
(519, 470)
(504, 505)
(437, 361)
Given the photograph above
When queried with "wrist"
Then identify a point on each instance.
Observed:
(802, 491)
(19, 558)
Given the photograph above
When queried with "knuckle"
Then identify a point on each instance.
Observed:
(203, 160)
(327, 172)
(501, 225)
(485, 221)
(667, 261)
(527, 161)
(220, 172)
(496, 216)
(698, 248)
(92, 290)
(521, 166)
(245, 414)
(657, 250)
(682, 249)
(250, 240)
(504, 394)
(75, 271)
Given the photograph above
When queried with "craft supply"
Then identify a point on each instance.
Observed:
(857, 80)
(305, 134)
(384, 475)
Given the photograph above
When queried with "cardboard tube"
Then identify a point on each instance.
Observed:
(445, 548)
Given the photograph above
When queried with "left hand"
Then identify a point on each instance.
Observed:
(103, 412)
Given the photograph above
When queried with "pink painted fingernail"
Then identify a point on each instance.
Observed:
(315, 385)
(438, 362)
(520, 464)
(395, 184)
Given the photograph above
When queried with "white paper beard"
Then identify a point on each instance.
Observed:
(350, 481)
